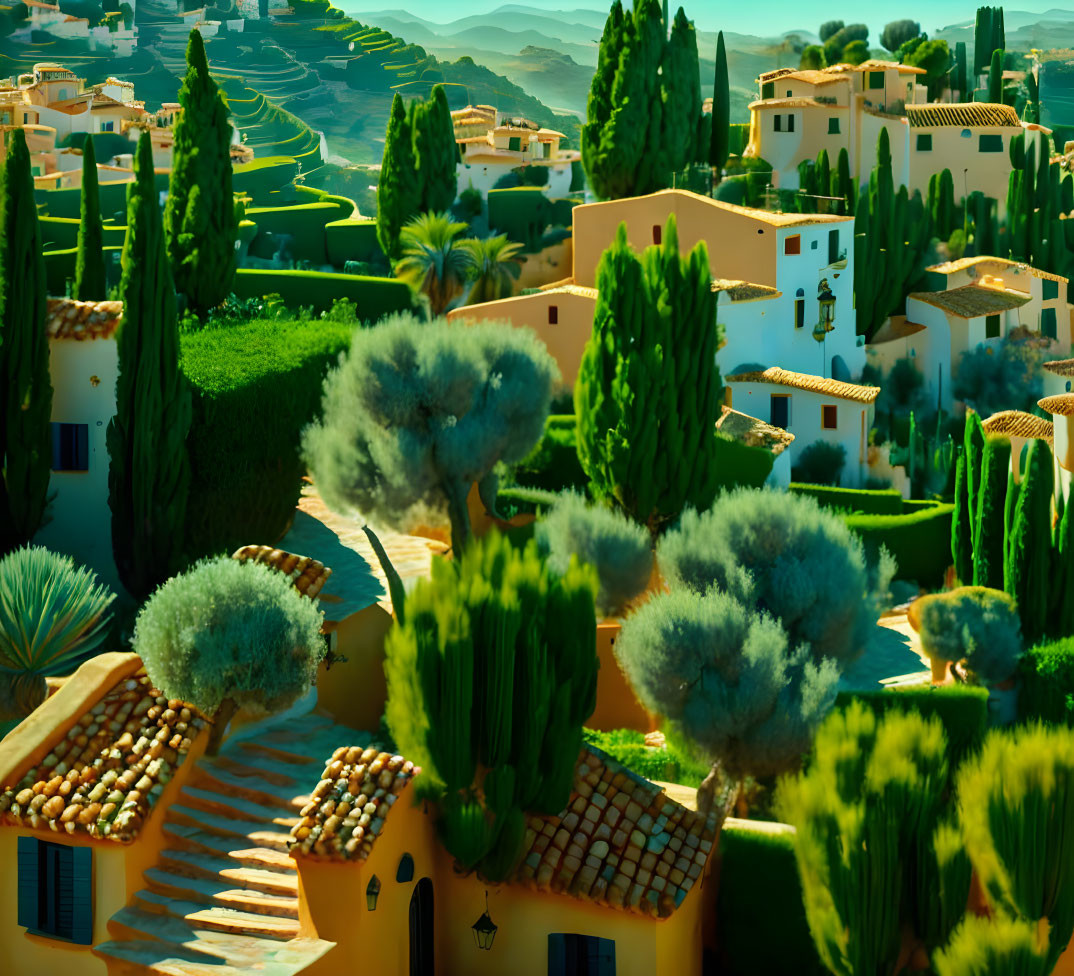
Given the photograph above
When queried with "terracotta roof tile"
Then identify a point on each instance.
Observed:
(971, 301)
(951, 267)
(1061, 367)
(1059, 406)
(743, 291)
(103, 778)
(308, 575)
(753, 432)
(348, 807)
(807, 75)
(1018, 423)
(799, 102)
(812, 384)
(963, 114)
(67, 318)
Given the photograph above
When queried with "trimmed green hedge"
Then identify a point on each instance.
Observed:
(375, 297)
(741, 465)
(858, 501)
(553, 464)
(353, 240)
(524, 501)
(61, 233)
(920, 541)
(112, 198)
(1046, 689)
(963, 710)
(304, 223)
(60, 266)
(523, 213)
(760, 917)
(264, 176)
(628, 747)
(256, 385)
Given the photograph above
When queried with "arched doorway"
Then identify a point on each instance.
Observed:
(421, 929)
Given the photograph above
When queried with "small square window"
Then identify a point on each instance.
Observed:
(790, 94)
(553, 315)
(992, 327)
(70, 447)
(924, 142)
(1049, 289)
(778, 122)
(514, 144)
(876, 79)
(833, 126)
(829, 416)
(793, 244)
(658, 233)
(779, 410)
(768, 89)
(989, 143)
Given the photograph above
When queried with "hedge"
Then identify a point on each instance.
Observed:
(313, 194)
(741, 465)
(760, 918)
(857, 501)
(303, 223)
(627, 746)
(256, 385)
(963, 710)
(375, 297)
(523, 501)
(553, 464)
(264, 176)
(112, 197)
(522, 213)
(60, 268)
(353, 240)
(61, 233)
(919, 541)
(1046, 689)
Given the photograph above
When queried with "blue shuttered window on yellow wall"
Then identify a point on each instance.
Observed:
(580, 955)
(56, 890)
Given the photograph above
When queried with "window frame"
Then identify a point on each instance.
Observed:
(833, 125)
(785, 401)
(994, 142)
(68, 870)
(792, 244)
(514, 143)
(574, 954)
(553, 315)
(1046, 315)
(829, 410)
(768, 90)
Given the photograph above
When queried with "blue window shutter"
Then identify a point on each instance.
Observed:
(29, 882)
(557, 955)
(82, 891)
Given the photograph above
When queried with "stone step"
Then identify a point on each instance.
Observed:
(193, 865)
(259, 768)
(220, 804)
(252, 790)
(152, 957)
(261, 833)
(200, 916)
(183, 838)
(279, 755)
(264, 859)
(221, 893)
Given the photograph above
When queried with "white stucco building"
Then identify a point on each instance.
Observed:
(1061, 407)
(1020, 428)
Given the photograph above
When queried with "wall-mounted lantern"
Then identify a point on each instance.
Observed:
(372, 891)
(484, 929)
(826, 301)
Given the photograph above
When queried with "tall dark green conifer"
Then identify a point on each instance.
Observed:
(1029, 543)
(680, 89)
(199, 216)
(436, 153)
(962, 525)
(973, 444)
(721, 110)
(398, 189)
(25, 387)
(90, 281)
(149, 468)
(988, 553)
(995, 78)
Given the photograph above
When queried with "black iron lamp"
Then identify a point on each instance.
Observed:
(484, 928)
(372, 891)
(826, 300)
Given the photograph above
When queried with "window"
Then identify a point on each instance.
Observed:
(829, 416)
(790, 94)
(780, 411)
(799, 309)
(405, 871)
(876, 79)
(1049, 289)
(514, 144)
(793, 244)
(790, 123)
(924, 142)
(778, 122)
(833, 246)
(56, 889)
(70, 447)
(833, 126)
(553, 315)
(992, 327)
(107, 126)
(768, 89)
(657, 233)
(1047, 323)
(580, 955)
(546, 150)
(989, 143)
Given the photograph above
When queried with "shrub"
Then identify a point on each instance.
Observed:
(305, 224)
(821, 463)
(416, 413)
(619, 550)
(524, 501)
(553, 464)
(996, 946)
(53, 615)
(229, 634)
(256, 385)
(375, 297)
(667, 764)
(353, 240)
(918, 541)
(1047, 683)
(727, 681)
(855, 500)
(973, 624)
(782, 554)
(1007, 378)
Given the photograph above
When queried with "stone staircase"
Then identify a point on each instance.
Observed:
(223, 897)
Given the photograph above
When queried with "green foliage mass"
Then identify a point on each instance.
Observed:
(898, 32)
(973, 624)
(25, 386)
(821, 463)
(916, 540)
(53, 615)
(199, 214)
(619, 550)
(783, 555)
(149, 468)
(720, 144)
(1027, 570)
(1046, 688)
(997, 946)
(490, 678)
(859, 500)
(553, 464)
(988, 555)
(230, 630)
(398, 188)
(727, 679)
(90, 283)
(416, 413)
(988, 36)
(648, 390)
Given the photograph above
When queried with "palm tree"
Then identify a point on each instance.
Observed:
(495, 264)
(434, 263)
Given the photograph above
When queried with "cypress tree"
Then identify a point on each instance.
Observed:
(973, 444)
(983, 36)
(680, 88)
(398, 190)
(842, 185)
(721, 110)
(25, 386)
(90, 282)
(1061, 616)
(962, 525)
(436, 154)
(1028, 560)
(199, 216)
(960, 81)
(988, 554)
(149, 469)
(599, 102)
(995, 78)
(941, 204)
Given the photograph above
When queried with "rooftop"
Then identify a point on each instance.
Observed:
(743, 291)
(897, 327)
(952, 267)
(1059, 406)
(812, 384)
(67, 318)
(1061, 367)
(963, 114)
(971, 301)
(1018, 423)
(800, 102)
(307, 575)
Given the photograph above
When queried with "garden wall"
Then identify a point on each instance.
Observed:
(920, 541)
(60, 268)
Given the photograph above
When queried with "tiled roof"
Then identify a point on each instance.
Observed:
(767, 217)
(803, 74)
(812, 384)
(875, 64)
(952, 267)
(347, 808)
(307, 575)
(753, 432)
(70, 319)
(970, 301)
(896, 327)
(621, 842)
(743, 291)
(1061, 367)
(800, 102)
(1018, 423)
(110, 768)
(1059, 406)
(582, 291)
(963, 114)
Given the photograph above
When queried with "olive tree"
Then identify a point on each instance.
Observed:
(227, 635)
(728, 681)
(417, 412)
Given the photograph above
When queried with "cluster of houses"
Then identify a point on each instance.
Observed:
(116, 37)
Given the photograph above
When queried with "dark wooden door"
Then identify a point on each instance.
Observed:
(421, 929)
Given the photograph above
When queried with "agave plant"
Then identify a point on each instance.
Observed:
(53, 615)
